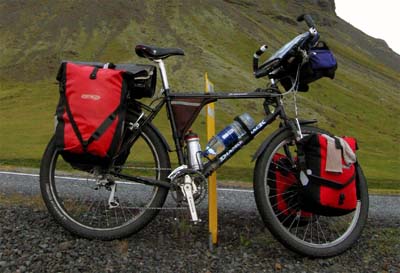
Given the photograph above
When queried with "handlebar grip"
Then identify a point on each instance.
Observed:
(262, 49)
(257, 55)
(306, 17)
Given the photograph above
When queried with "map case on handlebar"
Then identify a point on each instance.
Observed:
(284, 50)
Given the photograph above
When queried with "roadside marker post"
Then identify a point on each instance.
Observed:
(212, 179)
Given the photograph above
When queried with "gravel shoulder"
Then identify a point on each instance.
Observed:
(30, 241)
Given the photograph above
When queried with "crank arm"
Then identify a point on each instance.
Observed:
(187, 191)
(143, 180)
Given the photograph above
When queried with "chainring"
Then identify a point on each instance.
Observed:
(200, 183)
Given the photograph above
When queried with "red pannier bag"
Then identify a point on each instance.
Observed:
(284, 191)
(328, 192)
(90, 114)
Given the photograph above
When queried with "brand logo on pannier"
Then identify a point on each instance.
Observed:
(90, 97)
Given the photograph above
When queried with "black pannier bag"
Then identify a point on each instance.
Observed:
(141, 79)
(321, 63)
(92, 108)
(329, 184)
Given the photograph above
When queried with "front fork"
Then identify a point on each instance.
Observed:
(294, 125)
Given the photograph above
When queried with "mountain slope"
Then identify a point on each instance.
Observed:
(218, 37)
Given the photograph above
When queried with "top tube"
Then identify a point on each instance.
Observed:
(225, 95)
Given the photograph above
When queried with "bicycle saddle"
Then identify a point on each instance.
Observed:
(152, 52)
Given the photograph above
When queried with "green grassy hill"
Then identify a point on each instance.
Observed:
(219, 37)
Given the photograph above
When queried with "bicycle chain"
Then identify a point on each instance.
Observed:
(157, 208)
(154, 208)
(146, 168)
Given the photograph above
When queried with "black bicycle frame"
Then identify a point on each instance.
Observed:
(271, 99)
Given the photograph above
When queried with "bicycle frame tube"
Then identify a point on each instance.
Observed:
(223, 95)
(212, 165)
(170, 114)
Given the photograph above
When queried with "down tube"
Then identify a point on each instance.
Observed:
(221, 159)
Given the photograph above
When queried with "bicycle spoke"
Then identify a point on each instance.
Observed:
(305, 232)
(105, 211)
(322, 231)
(280, 182)
(283, 193)
(295, 219)
(288, 209)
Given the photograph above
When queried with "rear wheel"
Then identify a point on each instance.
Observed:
(93, 203)
(306, 233)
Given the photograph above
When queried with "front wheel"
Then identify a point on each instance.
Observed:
(92, 203)
(306, 233)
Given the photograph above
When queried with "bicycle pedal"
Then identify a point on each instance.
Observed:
(196, 222)
(113, 204)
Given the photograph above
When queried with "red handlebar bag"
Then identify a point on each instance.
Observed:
(330, 193)
(90, 113)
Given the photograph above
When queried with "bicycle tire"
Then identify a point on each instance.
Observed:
(287, 234)
(79, 207)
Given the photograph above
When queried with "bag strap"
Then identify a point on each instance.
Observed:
(93, 75)
(330, 183)
(301, 156)
(73, 123)
(103, 127)
(99, 131)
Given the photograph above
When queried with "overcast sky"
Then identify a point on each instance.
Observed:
(377, 18)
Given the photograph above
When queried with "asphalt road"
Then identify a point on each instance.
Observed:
(381, 207)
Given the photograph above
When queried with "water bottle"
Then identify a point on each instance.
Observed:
(229, 136)
(193, 151)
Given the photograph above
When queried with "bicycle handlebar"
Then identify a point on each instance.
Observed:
(258, 73)
(309, 21)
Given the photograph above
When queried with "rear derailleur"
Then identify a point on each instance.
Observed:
(106, 182)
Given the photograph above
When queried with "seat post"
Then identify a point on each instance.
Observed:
(163, 72)
(170, 113)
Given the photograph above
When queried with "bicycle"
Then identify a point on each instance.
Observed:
(86, 201)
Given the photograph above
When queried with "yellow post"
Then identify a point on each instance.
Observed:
(212, 180)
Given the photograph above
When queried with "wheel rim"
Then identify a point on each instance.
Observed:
(311, 230)
(76, 197)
